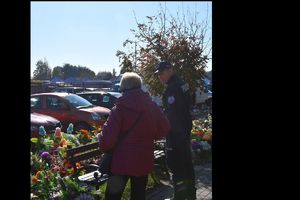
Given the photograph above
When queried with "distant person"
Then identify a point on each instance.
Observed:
(177, 102)
(133, 157)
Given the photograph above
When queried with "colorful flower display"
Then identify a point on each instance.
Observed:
(201, 135)
(49, 163)
(52, 176)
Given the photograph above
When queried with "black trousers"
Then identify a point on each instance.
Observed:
(179, 160)
(116, 185)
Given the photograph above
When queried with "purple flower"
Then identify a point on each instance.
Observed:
(45, 154)
(195, 145)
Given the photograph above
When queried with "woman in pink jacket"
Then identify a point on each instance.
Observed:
(132, 156)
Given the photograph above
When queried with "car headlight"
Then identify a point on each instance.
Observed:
(95, 116)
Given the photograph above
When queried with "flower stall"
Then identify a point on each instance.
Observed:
(201, 139)
(52, 176)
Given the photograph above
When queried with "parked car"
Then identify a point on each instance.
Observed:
(101, 98)
(69, 108)
(69, 89)
(49, 123)
(116, 87)
(116, 84)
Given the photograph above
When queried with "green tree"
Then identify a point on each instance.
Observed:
(69, 71)
(126, 63)
(84, 72)
(104, 75)
(77, 72)
(42, 71)
(176, 40)
(57, 71)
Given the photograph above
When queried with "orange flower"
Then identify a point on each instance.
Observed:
(38, 173)
(34, 179)
(67, 164)
(207, 137)
(77, 164)
(63, 142)
(200, 132)
(84, 131)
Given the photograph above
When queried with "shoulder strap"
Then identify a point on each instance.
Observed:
(130, 129)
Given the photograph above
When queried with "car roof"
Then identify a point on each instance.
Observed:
(92, 92)
(116, 94)
(35, 114)
(61, 94)
(67, 87)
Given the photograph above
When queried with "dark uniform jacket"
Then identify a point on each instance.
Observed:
(177, 102)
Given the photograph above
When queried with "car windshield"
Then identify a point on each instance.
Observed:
(116, 88)
(78, 101)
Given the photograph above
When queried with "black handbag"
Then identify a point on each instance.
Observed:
(106, 160)
(105, 164)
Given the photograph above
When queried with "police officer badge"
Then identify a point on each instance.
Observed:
(171, 99)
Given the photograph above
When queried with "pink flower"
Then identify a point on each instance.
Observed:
(57, 133)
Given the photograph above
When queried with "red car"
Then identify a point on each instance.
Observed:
(49, 123)
(69, 108)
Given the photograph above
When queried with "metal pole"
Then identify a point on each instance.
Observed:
(135, 55)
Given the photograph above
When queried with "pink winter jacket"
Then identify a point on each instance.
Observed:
(134, 155)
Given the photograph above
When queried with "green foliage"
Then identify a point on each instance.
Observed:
(150, 183)
(85, 72)
(54, 175)
(72, 188)
(44, 184)
(69, 70)
(126, 63)
(99, 194)
(42, 71)
(80, 72)
(104, 75)
(57, 71)
(174, 40)
(36, 163)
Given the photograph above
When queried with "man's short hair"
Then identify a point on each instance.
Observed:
(162, 66)
(129, 81)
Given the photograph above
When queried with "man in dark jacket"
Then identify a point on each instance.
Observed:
(133, 157)
(177, 102)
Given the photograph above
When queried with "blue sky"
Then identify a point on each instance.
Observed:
(90, 33)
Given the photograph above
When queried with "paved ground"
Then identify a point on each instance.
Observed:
(203, 174)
